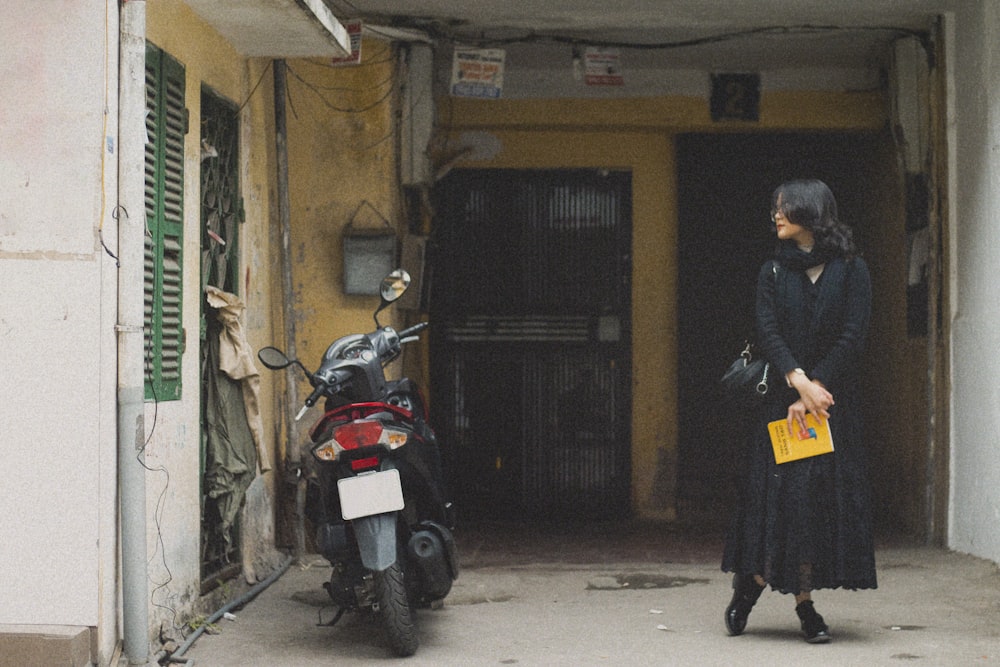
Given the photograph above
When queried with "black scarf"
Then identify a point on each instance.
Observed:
(792, 257)
(790, 290)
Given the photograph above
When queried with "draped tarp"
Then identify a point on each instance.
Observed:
(233, 427)
(236, 360)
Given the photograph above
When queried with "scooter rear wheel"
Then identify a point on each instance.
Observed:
(394, 611)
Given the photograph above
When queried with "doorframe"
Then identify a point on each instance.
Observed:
(941, 167)
(540, 326)
(649, 157)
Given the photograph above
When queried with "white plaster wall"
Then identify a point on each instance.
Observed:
(57, 313)
(974, 525)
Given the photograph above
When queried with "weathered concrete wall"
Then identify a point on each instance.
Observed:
(974, 525)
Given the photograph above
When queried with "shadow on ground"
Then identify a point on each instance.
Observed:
(693, 540)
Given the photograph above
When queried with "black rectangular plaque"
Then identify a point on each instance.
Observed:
(735, 97)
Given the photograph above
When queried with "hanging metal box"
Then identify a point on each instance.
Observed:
(369, 254)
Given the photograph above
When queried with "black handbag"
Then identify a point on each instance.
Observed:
(746, 378)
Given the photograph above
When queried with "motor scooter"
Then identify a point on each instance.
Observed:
(375, 484)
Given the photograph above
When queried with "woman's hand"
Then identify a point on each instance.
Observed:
(813, 398)
(796, 416)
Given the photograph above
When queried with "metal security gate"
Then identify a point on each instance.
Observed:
(530, 306)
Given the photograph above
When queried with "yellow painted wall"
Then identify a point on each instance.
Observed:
(638, 134)
(342, 152)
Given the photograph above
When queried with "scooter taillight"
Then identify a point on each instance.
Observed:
(357, 434)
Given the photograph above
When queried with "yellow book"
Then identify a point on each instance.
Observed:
(814, 440)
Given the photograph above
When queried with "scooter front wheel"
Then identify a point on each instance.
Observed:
(394, 610)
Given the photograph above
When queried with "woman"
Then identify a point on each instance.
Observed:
(805, 525)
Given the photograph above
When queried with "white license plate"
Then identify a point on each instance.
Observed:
(371, 493)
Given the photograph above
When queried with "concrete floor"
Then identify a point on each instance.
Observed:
(636, 595)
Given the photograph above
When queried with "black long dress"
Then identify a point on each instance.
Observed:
(813, 511)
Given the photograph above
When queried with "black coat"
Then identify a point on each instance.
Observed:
(815, 510)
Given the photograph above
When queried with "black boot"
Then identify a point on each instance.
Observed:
(813, 627)
(746, 591)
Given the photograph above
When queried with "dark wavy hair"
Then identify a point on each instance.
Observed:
(810, 204)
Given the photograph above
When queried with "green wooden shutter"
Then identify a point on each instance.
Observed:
(166, 125)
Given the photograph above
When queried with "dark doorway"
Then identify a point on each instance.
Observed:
(228, 457)
(530, 346)
(724, 188)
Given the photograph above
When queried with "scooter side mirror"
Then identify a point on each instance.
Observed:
(393, 286)
(274, 358)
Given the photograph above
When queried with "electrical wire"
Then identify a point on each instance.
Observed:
(362, 109)
(536, 37)
(379, 57)
(440, 29)
(253, 90)
(161, 500)
(346, 89)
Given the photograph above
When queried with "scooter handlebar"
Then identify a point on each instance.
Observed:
(411, 331)
(315, 395)
(333, 380)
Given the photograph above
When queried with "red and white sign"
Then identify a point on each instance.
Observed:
(602, 67)
(354, 32)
